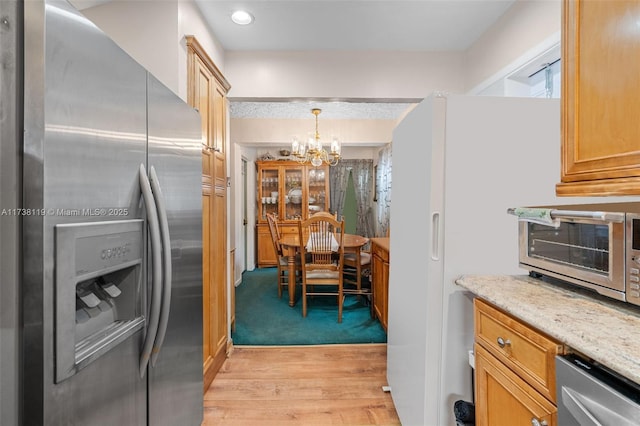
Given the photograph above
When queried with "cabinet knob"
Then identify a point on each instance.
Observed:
(536, 422)
(502, 343)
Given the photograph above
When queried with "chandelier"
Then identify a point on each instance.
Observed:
(312, 152)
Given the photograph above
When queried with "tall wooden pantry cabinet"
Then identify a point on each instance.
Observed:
(292, 191)
(207, 91)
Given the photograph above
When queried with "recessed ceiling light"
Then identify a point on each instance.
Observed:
(242, 17)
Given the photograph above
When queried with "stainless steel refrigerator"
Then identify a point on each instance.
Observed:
(103, 211)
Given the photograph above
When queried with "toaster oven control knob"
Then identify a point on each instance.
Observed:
(502, 343)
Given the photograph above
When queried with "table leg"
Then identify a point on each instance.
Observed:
(291, 259)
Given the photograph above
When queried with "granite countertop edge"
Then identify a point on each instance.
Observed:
(604, 330)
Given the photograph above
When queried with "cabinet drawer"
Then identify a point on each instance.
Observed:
(523, 349)
(288, 229)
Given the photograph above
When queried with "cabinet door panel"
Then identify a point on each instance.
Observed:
(503, 398)
(601, 144)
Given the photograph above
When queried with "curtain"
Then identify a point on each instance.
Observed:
(383, 190)
(362, 172)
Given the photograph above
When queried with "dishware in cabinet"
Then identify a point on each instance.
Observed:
(293, 193)
(268, 192)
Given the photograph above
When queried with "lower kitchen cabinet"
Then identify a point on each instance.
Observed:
(504, 399)
(514, 370)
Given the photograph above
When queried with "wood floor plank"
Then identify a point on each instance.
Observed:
(301, 385)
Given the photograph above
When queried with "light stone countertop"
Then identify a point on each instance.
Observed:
(603, 329)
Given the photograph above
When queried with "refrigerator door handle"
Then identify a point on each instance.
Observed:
(435, 236)
(166, 262)
(156, 276)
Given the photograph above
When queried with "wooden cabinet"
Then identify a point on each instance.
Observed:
(380, 278)
(207, 90)
(292, 191)
(600, 68)
(232, 287)
(514, 370)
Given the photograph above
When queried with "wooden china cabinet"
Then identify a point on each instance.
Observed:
(600, 87)
(292, 191)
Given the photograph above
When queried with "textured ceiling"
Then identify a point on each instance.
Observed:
(330, 110)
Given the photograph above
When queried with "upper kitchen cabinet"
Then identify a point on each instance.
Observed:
(600, 90)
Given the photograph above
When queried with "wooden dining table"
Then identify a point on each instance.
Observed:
(291, 245)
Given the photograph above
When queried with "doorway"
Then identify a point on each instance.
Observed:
(245, 203)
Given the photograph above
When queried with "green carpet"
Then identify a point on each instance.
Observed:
(264, 319)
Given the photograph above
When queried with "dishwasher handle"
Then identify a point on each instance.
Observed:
(579, 412)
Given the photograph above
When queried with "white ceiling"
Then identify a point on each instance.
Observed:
(396, 25)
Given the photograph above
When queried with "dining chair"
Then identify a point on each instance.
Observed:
(322, 246)
(282, 260)
(355, 267)
(326, 214)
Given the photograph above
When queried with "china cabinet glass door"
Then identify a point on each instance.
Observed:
(316, 181)
(293, 200)
(269, 200)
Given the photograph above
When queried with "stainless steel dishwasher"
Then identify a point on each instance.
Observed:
(590, 394)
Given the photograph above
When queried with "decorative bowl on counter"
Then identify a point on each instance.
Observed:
(285, 152)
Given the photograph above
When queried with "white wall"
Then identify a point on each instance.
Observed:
(342, 74)
(145, 31)
(152, 32)
(280, 131)
(528, 29)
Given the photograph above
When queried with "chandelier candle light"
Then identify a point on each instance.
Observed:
(312, 151)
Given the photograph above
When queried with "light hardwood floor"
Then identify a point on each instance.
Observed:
(301, 385)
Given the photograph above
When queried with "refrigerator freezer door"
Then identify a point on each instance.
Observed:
(85, 136)
(175, 378)
(10, 197)
(412, 355)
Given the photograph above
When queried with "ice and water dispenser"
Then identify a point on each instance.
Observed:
(99, 297)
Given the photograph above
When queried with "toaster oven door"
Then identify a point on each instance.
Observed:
(587, 252)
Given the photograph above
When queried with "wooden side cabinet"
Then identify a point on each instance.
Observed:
(380, 278)
(600, 69)
(514, 370)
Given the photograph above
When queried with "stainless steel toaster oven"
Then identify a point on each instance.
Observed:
(596, 246)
